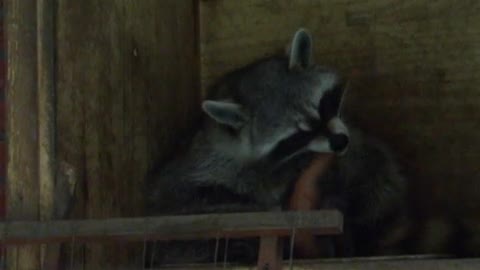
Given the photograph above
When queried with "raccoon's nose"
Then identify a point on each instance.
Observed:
(338, 142)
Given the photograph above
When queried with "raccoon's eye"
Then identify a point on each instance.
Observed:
(293, 143)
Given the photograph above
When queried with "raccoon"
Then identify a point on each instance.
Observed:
(262, 125)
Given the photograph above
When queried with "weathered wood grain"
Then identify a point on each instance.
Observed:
(380, 263)
(22, 125)
(414, 73)
(46, 118)
(127, 87)
(172, 227)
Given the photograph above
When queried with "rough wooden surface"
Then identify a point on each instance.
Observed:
(46, 105)
(413, 66)
(270, 253)
(324, 222)
(46, 115)
(22, 184)
(127, 85)
(63, 201)
(380, 263)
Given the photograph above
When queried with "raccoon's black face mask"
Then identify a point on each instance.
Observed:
(278, 107)
(328, 132)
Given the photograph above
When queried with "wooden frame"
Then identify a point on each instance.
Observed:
(269, 226)
(172, 227)
(427, 262)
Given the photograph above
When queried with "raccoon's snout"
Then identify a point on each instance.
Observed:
(338, 137)
(338, 142)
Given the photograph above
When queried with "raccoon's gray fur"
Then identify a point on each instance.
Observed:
(263, 124)
(366, 184)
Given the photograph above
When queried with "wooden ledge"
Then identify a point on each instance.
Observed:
(234, 225)
(421, 262)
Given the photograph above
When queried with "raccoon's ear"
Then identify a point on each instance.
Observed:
(300, 50)
(225, 113)
(331, 101)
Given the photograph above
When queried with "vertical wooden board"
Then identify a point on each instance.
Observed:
(127, 83)
(163, 92)
(413, 67)
(22, 184)
(70, 100)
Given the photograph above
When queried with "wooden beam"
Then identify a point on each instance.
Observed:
(270, 253)
(235, 225)
(63, 195)
(379, 263)
(46, 106)
(46, 121)
(22, 128)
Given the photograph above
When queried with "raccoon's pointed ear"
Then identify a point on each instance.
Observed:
(331, 101)
(300, 50)
(225, 113)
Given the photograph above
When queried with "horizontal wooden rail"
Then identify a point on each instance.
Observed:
(234, 225)
(420, 262)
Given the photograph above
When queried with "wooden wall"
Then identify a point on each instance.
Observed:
(413, 67)
(129, 79)
(126, 84)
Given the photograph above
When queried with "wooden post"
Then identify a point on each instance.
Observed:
(46, 106)
(46, 114)
(63, 202)
(232, 225)
(270, 253)
(22, 125)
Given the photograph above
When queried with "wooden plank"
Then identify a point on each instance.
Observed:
(63, 196)
(70, 100)
(46, 115)
(46, 105)
(22, 184)
(412, 62)
(270, 253)
(236, 225)
(379, 263)
(127, 88)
